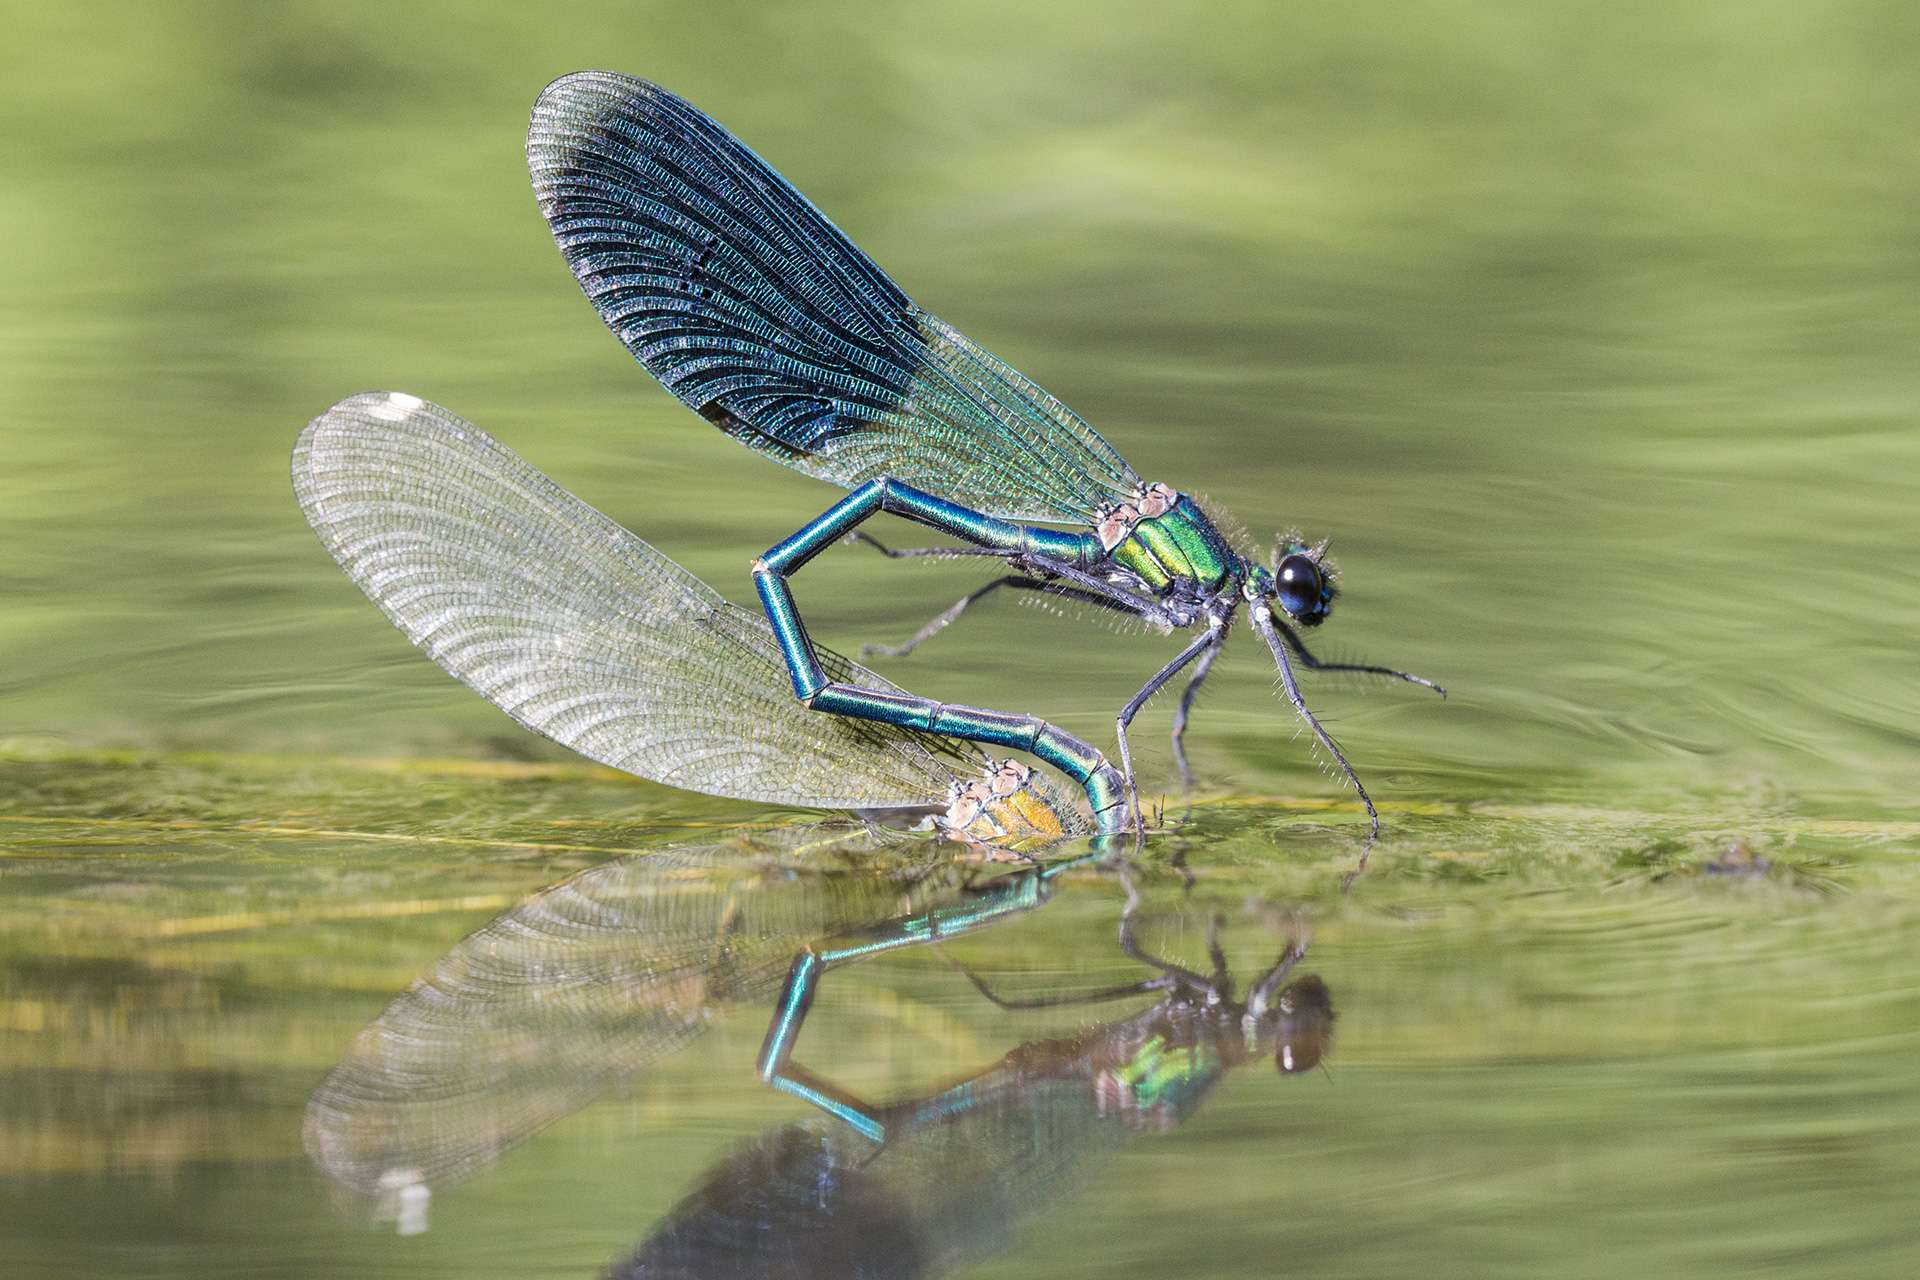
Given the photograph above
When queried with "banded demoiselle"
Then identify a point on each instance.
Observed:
(582, 632)
(763, 317)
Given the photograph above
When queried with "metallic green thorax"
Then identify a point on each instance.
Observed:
(1160, 1075)
(1181, 544)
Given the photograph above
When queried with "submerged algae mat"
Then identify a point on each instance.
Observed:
(1567, 1037)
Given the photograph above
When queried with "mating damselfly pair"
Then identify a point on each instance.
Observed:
(591, 988)
(758, 313)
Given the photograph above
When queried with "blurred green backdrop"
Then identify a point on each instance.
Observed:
(1587, 331)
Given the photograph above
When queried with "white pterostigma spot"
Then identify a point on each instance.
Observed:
(397, 408)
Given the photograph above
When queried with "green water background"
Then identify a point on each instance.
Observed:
(1586, 331)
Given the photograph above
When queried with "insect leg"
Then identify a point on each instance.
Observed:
(1088, 584)
(1314, 664)
(1085, 587)
(1187, 697)
(1176, 974)
(1033, 561)
(1059, 1000)
(1263, 622)
(1269, 982)
(1017, 582)
(943, 619)
(1130, 601)
(1222, 981)
(1139, 700)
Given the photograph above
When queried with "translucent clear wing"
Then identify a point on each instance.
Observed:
(575, 992)
(578, 629)
(759, 314)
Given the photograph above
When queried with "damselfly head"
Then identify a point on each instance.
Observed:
(1303, 581)
(1300, 1023)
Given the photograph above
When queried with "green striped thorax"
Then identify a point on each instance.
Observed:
(1165, 539)
(1161, 1080)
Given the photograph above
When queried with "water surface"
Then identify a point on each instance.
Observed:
(1587, 333)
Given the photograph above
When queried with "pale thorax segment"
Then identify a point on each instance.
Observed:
(1167, 542)
(1008, 808)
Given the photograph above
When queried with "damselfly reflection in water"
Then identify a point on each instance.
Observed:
(584, 633)
(589, 983)
(764, 318)
(580, 990)
(959, 1170)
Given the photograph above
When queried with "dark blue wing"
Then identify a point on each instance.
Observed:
(759, 314)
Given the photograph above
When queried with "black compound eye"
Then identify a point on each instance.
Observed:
(1297, 586)
(1303, 1027)
(1295, 1054)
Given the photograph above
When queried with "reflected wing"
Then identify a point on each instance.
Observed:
(570, 994)
(816, 1200)
(578, 629)
(758, 313)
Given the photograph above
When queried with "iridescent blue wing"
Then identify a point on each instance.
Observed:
(578, 629)
(759, 314)
(577, 991)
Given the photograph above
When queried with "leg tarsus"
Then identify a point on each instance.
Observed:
(1314, 664)
(1187, 697)
(1131, 948)
(1360, 863)
(1139, 700)
(1263, 622)
(941, 621)
(1059, 1000)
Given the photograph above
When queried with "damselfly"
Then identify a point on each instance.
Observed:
(582, 632)
(758, 313)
